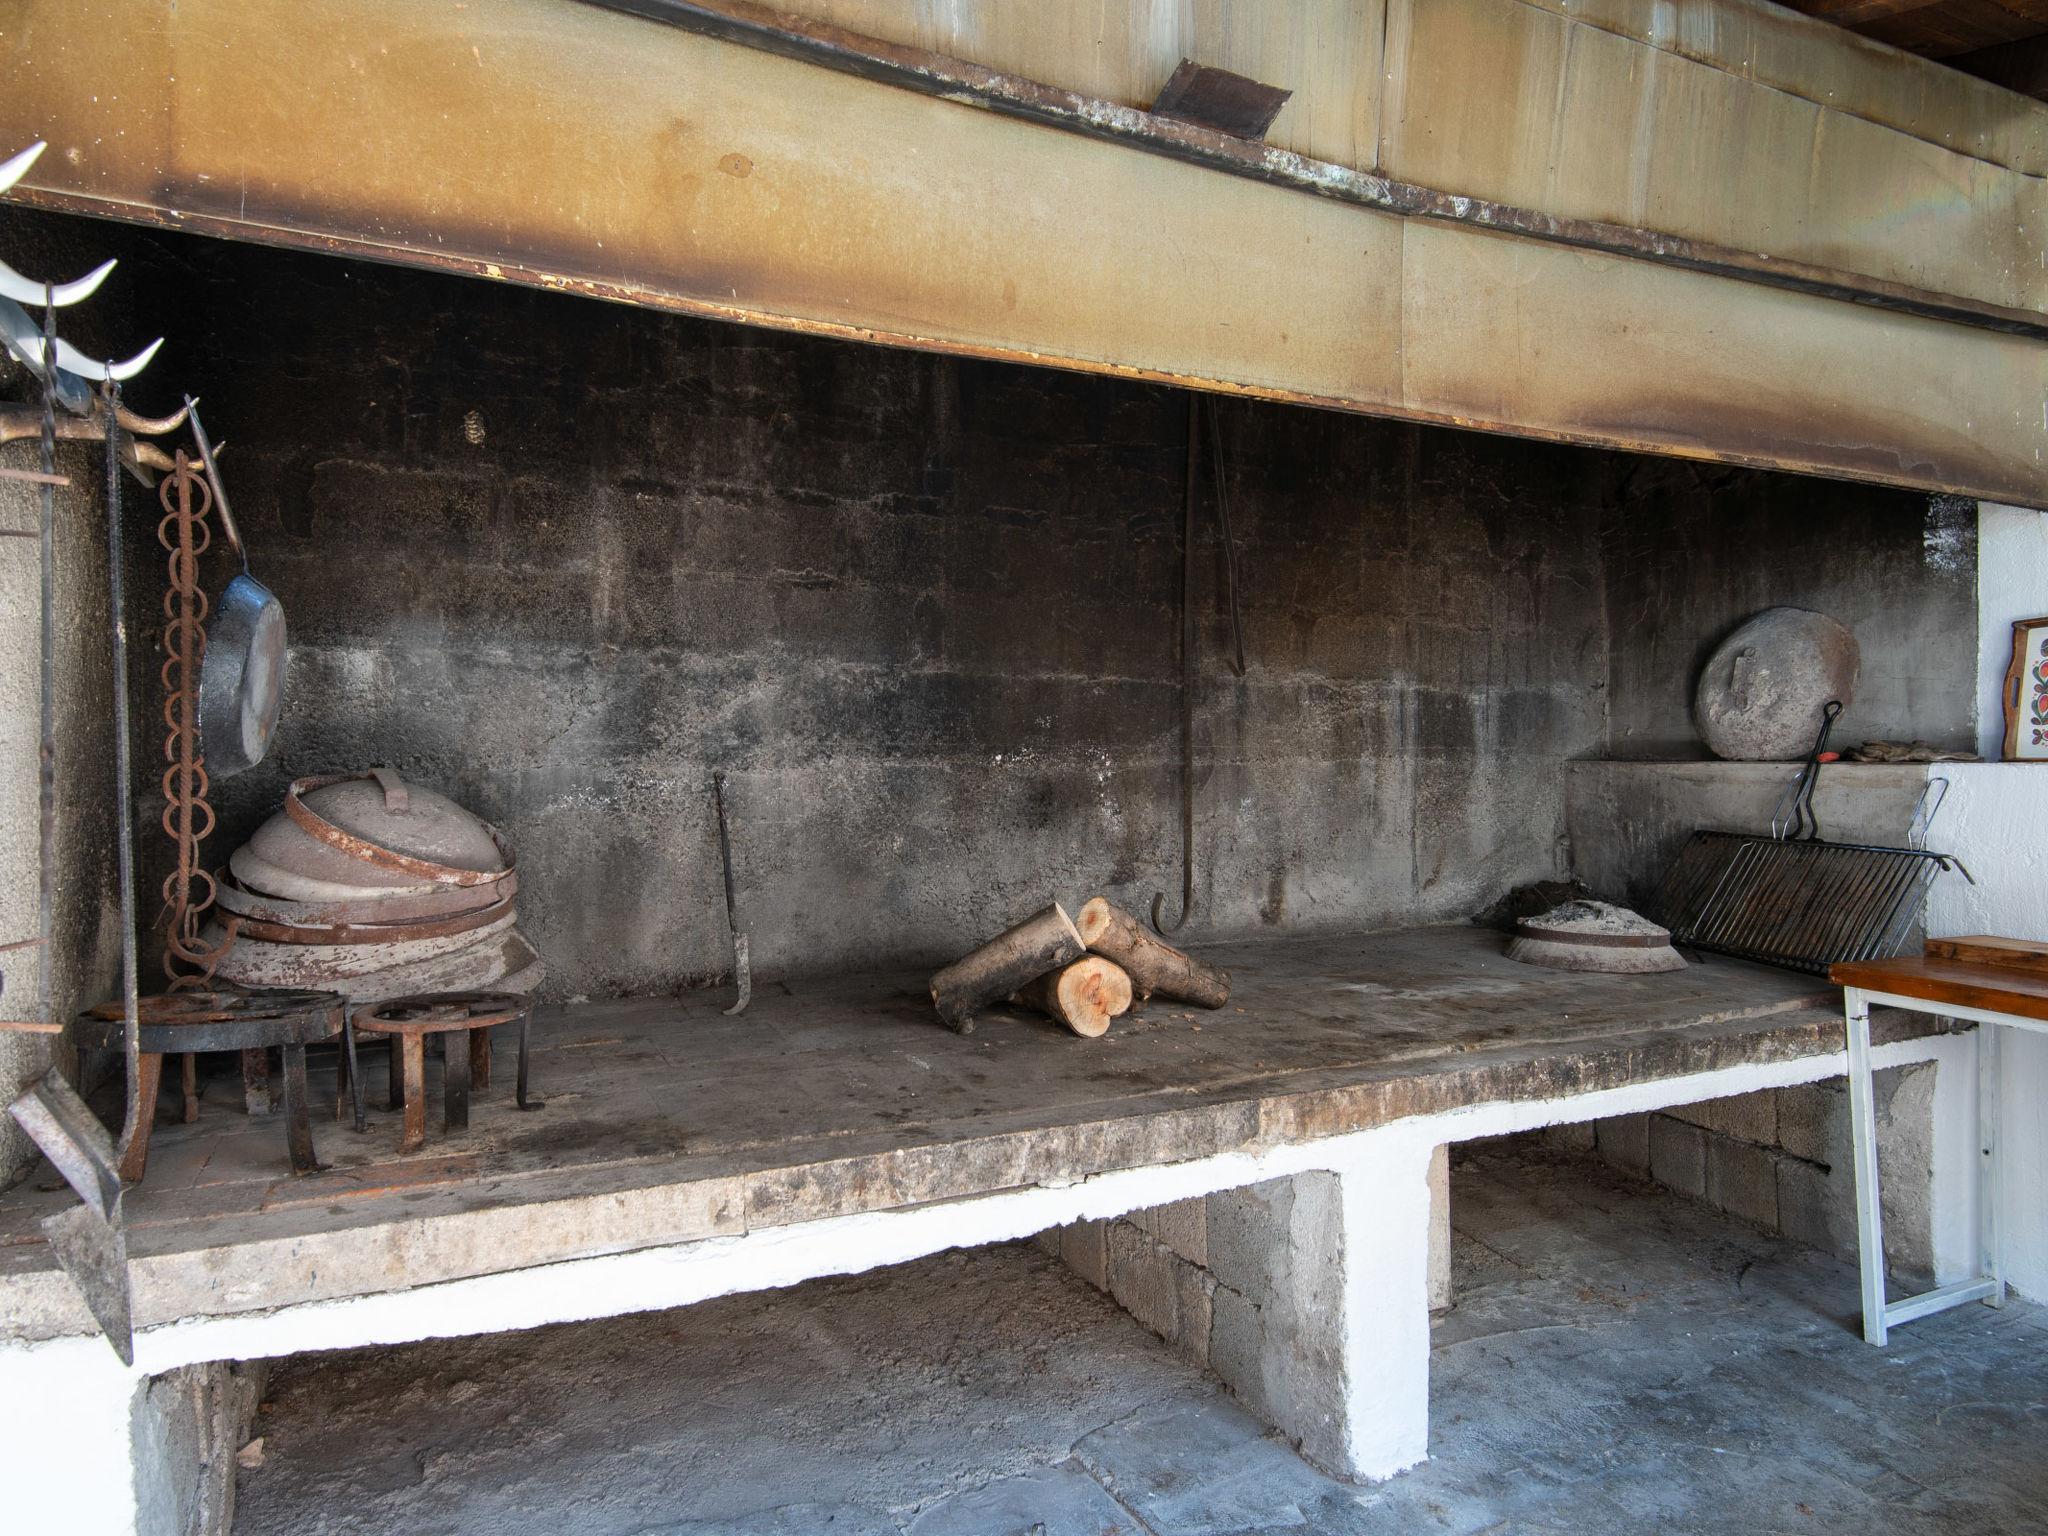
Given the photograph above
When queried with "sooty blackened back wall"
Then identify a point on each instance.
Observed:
(564, 560)
(1694, 549)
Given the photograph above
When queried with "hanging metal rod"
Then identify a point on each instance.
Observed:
(1187, 683)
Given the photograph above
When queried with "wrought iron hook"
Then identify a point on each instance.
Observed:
(741, 967)
(1229, 540)
(1186, 902)
(1187, 684)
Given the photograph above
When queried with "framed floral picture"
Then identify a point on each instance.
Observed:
(2026, 693)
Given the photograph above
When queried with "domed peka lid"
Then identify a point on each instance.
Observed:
(1594, 936)
(388, 825)
(1599, 922)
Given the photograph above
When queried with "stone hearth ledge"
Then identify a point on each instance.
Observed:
(569, 1244)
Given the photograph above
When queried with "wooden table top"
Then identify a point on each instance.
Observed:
(1996, 976)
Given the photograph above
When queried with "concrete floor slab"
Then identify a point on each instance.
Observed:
(1062, 1500)
(1203, 1466)
(789, 1520)
(1616, 1359)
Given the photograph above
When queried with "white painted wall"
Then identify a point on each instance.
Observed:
(2012, 583)
(1996, 821)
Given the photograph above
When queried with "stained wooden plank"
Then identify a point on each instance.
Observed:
(1935, 29)
(1987, 950)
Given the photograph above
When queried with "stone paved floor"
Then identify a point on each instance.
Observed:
(1617, 1360)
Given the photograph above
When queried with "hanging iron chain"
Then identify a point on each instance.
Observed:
(189, 889)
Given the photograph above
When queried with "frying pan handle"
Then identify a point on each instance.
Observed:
(220, 491)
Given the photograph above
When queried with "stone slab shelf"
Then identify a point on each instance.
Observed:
(667, 1122)
(837, 1126)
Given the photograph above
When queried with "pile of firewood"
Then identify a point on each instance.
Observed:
(1083, 974)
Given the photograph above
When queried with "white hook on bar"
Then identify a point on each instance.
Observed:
(17, 167)
(18, 288)
(30, 350)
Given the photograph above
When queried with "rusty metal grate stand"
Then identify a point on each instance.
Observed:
(407, 1022)
(177, 1023)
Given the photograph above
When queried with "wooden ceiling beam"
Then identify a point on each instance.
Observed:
(2020, 66)
(1856, 14)
(1935, 29)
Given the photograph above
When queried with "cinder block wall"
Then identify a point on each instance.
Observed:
(1780, 1159)
(1190, 1271)
(1156, 1264)
(188, 1426)
(565, 560)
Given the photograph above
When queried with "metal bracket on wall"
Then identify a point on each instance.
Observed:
(1220, 99)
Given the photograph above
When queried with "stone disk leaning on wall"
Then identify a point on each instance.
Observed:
(1761, 693)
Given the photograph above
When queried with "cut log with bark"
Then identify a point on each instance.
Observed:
(1084, 996)
(1155, 967)
(1043, 942)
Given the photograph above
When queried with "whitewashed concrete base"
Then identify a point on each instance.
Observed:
(1366, 1394)
(67, 1427)
(74, 1458)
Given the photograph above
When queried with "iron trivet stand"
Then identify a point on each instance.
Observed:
(407, 1021)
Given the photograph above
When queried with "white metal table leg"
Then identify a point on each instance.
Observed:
(1863, 1139)
(1990, 1262)
(1880, 1317)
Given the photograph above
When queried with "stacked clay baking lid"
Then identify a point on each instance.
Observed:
(370, 886)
